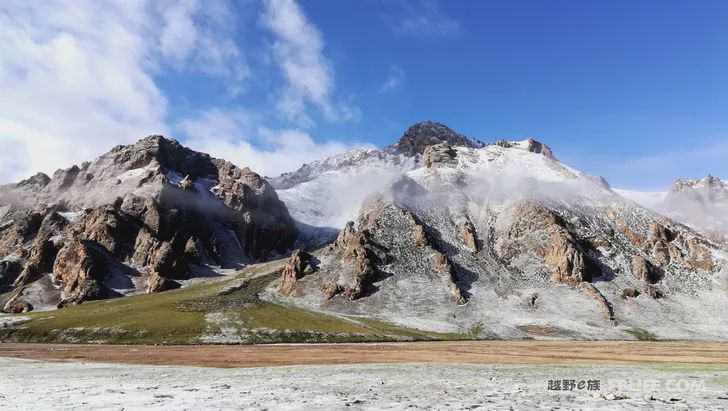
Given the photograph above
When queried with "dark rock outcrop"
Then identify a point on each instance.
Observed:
(359, 259)
(442, 264)
(17, 305)
(81, 268)
(438, 155)
(157, 284)
(604, 305)
(539, 148)
(557, 248)
(9, 271)
(263, 222)
(298, 265)
(664, 245)
(132, 207)
(644, 270)
(630, 293)
(530, 145)
(427, 133)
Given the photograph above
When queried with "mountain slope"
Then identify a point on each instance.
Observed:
(441, 235)
(506, 240)
(219, 311)
(328, 193)
(699, 203)
(144, 217)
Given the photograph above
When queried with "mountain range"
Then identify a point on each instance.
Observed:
(436, 232)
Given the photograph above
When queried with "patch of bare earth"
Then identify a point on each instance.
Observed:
(465, 352)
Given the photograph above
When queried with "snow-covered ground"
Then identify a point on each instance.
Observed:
(329, 193)
(41, 385)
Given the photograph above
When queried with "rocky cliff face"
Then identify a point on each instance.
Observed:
(323, 195)
(437, 232)
(428, 133)
(505, 239)
(140, 218)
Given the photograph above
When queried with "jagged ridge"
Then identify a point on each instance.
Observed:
(139, 218)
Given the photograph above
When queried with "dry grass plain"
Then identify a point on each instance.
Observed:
(455, 352)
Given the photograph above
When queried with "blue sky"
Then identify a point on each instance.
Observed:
(636, 91)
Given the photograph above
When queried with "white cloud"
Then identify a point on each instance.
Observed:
(298, 51)
(199, 36)
(395, 78)
(424, 18)
(229, 134)
(77, 77)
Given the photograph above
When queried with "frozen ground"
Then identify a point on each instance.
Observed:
(41, 385)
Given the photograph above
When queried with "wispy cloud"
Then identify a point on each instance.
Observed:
(394, 79)
(200, 36)
(78, 77)
(298, 50)
(236, 135)
(424, 18)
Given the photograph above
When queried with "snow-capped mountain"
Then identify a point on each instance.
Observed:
(699, 203)
(329, 192)
(323, 195)
(446, 234)
(143, 217)
(504, 239)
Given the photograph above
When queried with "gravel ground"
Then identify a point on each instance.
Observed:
(44, 385)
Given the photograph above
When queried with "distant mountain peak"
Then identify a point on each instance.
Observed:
(708, 181)
(427, 133)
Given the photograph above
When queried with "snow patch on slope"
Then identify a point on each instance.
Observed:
(331, 191)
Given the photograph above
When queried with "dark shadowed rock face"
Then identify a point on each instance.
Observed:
(359, 257)
(158, 284)
(558, 249)
(427, 133)
(539, 148)
(80, 269)
(438, 155)
(153, 210)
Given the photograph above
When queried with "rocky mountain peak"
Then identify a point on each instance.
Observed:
(35, 182)
(427, 133)
(712, 181)
(709, 181)
(538, 147)
(169, 153)
(143, 216)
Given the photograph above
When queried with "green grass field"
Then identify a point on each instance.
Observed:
(180, 317)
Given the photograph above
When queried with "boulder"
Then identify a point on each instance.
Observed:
(298, 265)
(438, 155)
(157, 284)
(359, 257)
